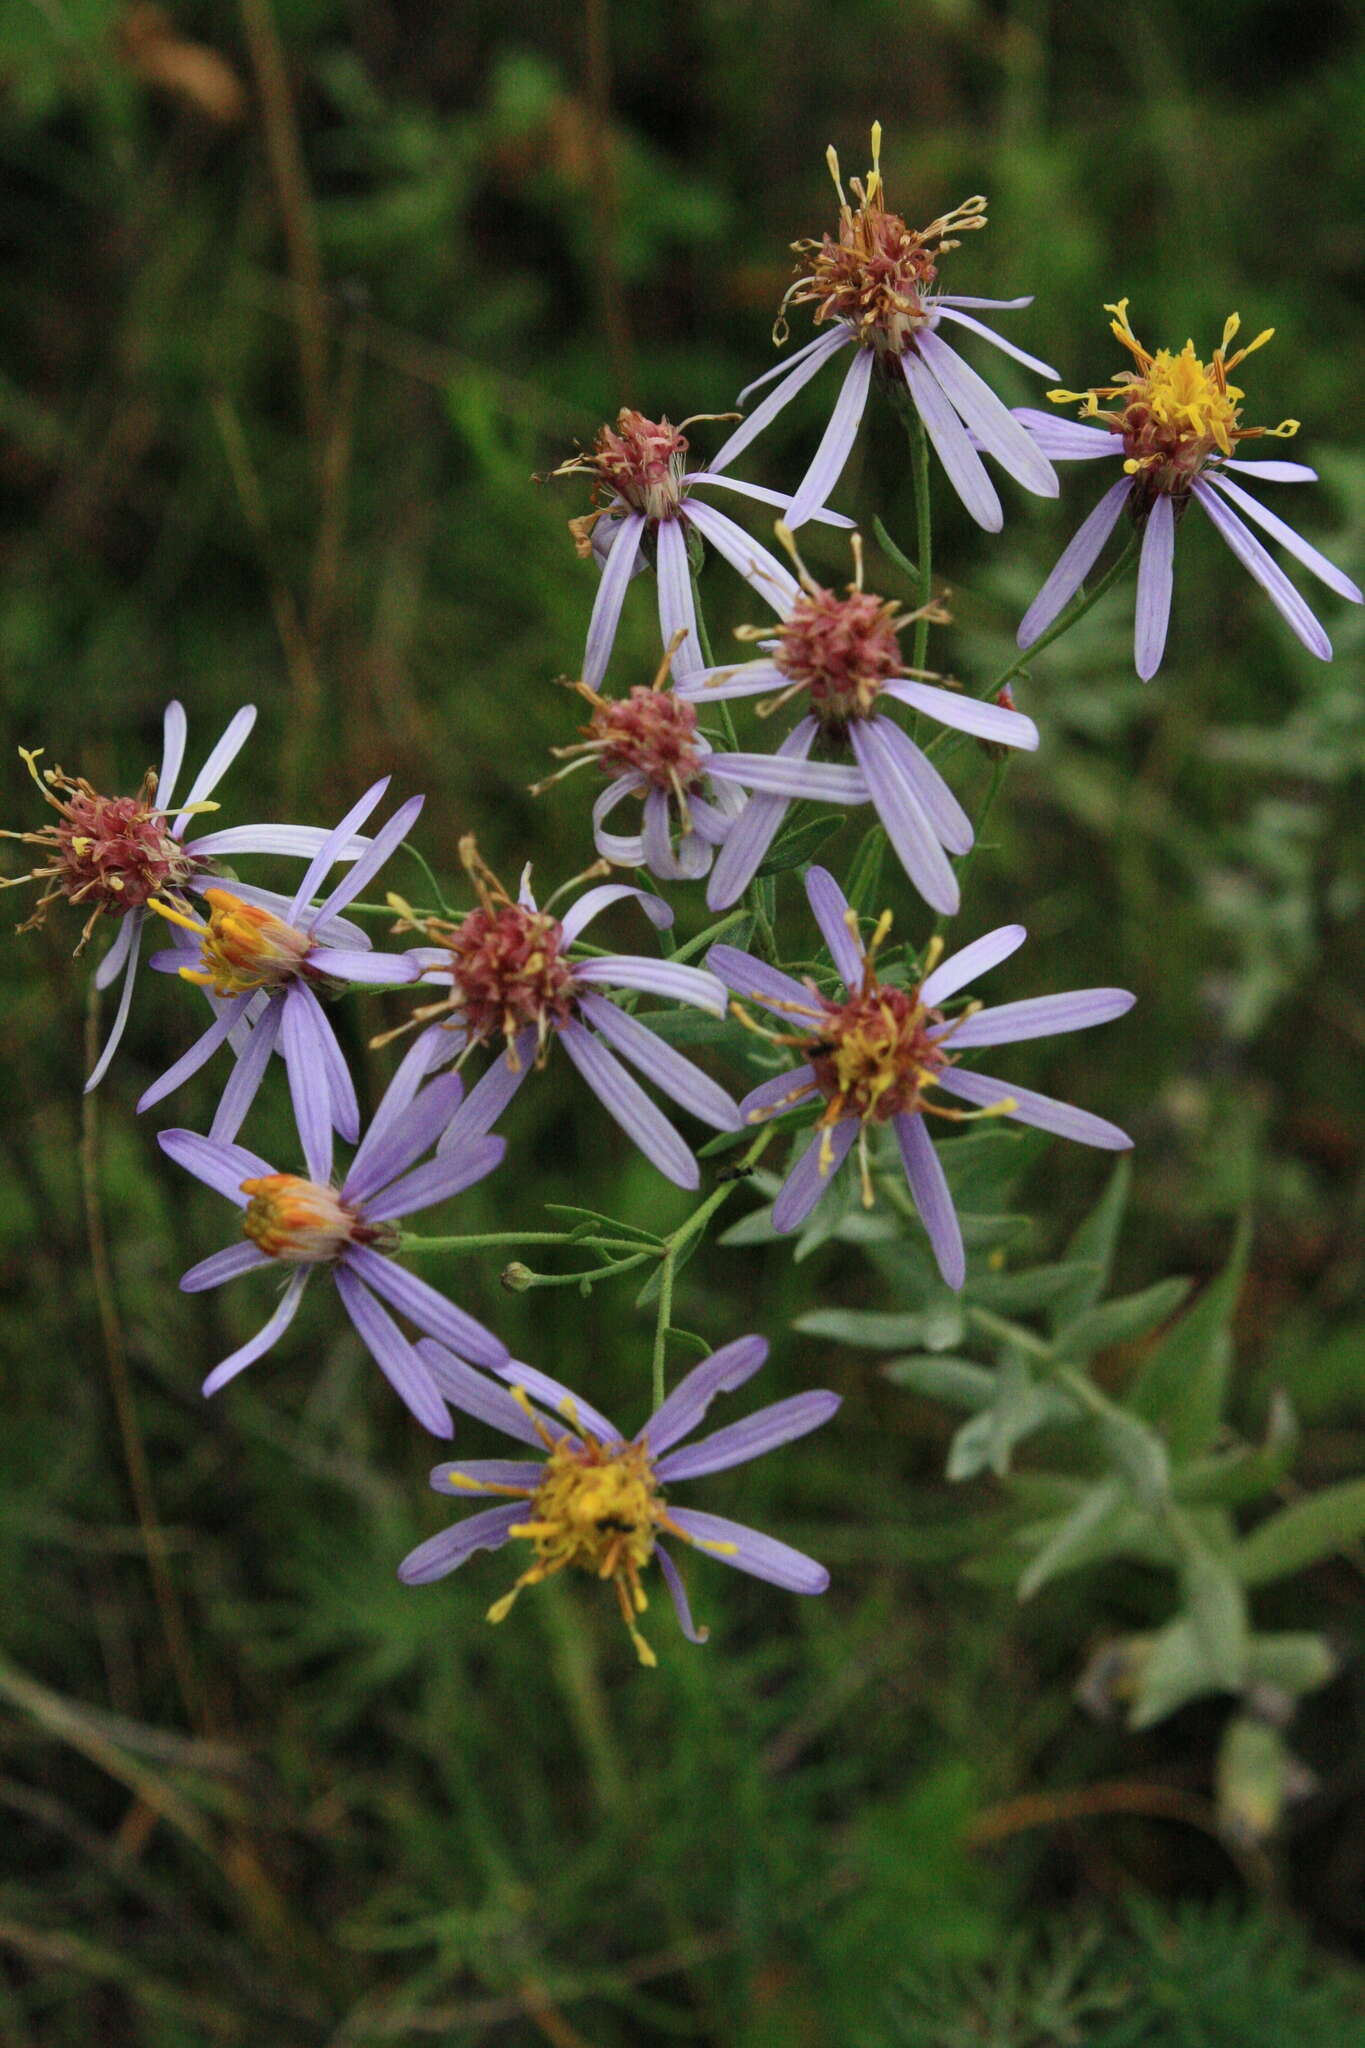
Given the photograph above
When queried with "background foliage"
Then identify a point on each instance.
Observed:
(297, 298)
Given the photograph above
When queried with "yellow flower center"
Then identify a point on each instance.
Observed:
(242, 946)
(296, 1220)
(1174, 411)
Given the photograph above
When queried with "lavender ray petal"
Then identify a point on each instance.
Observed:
(805, 1184)
(442, 1554)
(1068, 440)
(1041, 1017)
(748, 1550)
(384, 844)
(722, 1373)
(781, 367)
(772, 775)
(525, 1472)
(659, 855)
(836, 443)
(975, 715)
(662, 1064)
(345, 1109)
(695, 852)
(963, 967)
(678, 1594)
(947, 820)
(907, 827)
(611, 594)
(692, 985)
(989, 418)
(830, 908)
(440, 1178)
(1155, 567)
(800, 370)
(924, 1173)
(1293, 543)
(120, 1023)
(677, 608)
(1074, 563)
(1042, 1111)
(581, 913)
(1272, 472)
(474, 1394)
(330, 851)
(174, 733)
(795, 1081)
(570, 1410)
(129, 930)
(394, 1140)
(760, 492)
(234, 738)
(421, 1304)
(246, 1076)
(405, 1372)
(755, 829)
(620, 849)
(763, 1431)
(221, 1167)
(748, 679)
(306, 1063)
(712, 822)
(199, 1054)
(265, 1338)
(1267, 572)
(761, 570)
(222, 1266)
(625, 1101)
(490, 1095)
(1010, 348)
(300, 840)
(962, 465)
(756, 982)
(372, 970)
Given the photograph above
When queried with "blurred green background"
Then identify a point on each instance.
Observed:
(297, 297)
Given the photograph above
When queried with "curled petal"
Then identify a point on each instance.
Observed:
(268, 1335)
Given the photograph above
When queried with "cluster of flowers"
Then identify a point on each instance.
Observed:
(511, 976)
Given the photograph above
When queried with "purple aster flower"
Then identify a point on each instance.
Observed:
(1175, 427)
(510, 976)
(112, 855)
(648, 743)
(875, 1054)
(306, 1222)
(875, 284)
(262, 970)
(843, 652)
(650, 496)
(594, 1500)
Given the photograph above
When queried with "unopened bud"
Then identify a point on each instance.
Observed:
(516, 1278)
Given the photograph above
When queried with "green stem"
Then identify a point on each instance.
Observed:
(487, 1240)
(425, 865)
(662, 1325)
(998, 773)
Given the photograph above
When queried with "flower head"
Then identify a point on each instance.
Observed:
(511, 979)
(650, 745)
(309, 1223)
(1175, 422)
(873, 285)
(595, 1501)
(646, 509)
(263, 960)
(841, 653)
(118, 856)
(883, 1051)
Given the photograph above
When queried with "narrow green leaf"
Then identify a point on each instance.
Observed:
(863, 888)
(1139, 1454)
(1246, 1473)
(1176, 1670)
(1217, 1609)
(1020, 1293)
(895, 554)
(795, 848)
(1118, 1322)
(1291, 1662)
(1183, 1383)
(940, 1378)
(1090, 1532)
(1303, 1534)
(1093, 1246)
(877, 1329)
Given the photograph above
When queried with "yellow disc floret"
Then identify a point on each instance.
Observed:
(242, 947)
(1175, 412)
